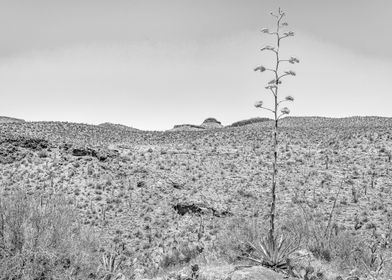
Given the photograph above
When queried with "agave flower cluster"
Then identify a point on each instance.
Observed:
(273, 85)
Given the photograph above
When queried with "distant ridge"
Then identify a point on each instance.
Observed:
(353, 121)
(4, 119)
(315, 121)
(249, 121)
(209, 123)
(117, 126)
(187, 127)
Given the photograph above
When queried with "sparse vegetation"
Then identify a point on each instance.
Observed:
(218, 169)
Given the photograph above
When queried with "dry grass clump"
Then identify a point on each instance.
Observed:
(43, 239)
(314, 248)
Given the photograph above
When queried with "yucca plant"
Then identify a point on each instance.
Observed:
(273, 253)
(273, 248)
(110, 268)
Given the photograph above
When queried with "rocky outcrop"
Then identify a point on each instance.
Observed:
(14, 149)
(100, 154)
(27, 143)
(211, 123)
(199, 209)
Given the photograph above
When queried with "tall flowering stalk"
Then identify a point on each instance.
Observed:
(273, 87)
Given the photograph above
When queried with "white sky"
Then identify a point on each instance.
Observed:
(152, 64)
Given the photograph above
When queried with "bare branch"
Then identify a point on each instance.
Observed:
(267, 31)
(288, 98)
(273, 92)
(262, 69)
(286, 34)
(291, 60)
(259, 105)
(292, 73)
(272, 111)
(287, 73)
(281, 76)
(272, 88)
(269, 48)
(284, 24)
(285, 111)
(274, 82)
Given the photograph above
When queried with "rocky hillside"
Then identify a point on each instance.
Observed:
(184, 190)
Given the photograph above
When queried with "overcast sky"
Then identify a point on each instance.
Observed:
(152, 64)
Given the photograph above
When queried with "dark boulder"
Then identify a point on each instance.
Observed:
(100, 154)
(199, 209)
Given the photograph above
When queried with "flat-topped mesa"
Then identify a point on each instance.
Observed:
(211, 123)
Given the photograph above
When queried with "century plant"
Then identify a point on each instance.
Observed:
(278, 112)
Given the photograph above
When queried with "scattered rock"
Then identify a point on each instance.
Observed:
(141, 184)
(255, 273)
(183, 209)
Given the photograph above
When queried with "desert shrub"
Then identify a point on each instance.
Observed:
(42, 239)
(234, 237)
(116, 263)
(42, 154)
(347, 249)
(183, 255)
(248, 239)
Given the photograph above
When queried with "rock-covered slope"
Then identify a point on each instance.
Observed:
(152, 189)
